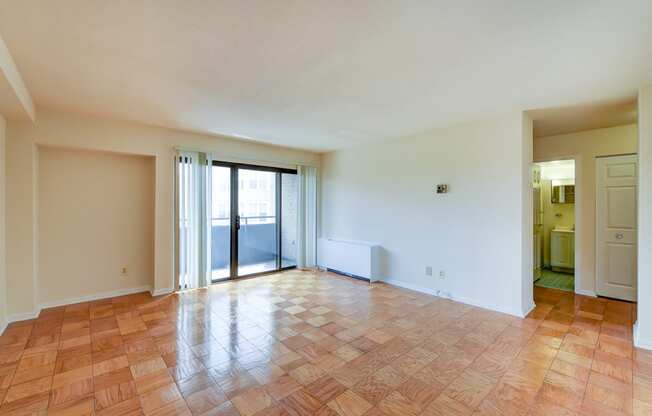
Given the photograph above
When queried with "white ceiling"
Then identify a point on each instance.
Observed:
(562, 120)
(325, 74)
(15, 101)
(10, 105)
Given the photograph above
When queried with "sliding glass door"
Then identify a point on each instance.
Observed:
(254, 220)
(220, 223)
(257, 222)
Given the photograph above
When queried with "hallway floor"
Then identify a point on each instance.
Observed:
(556, 280)
(312, 343)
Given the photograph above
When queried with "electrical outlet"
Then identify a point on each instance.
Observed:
(442, 274)
(123, 271)
(428, 270)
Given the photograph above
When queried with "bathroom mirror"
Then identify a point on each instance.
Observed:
(563, 194)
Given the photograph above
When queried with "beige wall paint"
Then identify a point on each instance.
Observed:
(385, 193)
(96, 215)
(21, 225)
(90, 133)
(3, 199)
(585, 147)
(643, 326)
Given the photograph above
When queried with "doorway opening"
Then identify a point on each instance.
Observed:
(595, 136)
(554, 214)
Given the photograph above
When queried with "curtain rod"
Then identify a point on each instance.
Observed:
(229, 158)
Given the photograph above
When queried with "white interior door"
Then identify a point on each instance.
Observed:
(616, 226)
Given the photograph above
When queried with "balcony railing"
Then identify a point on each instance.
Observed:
(257, 242)
(254, 219)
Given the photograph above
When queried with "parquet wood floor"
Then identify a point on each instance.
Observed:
(312, 343)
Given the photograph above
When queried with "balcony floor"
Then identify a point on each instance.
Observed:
(247, 269)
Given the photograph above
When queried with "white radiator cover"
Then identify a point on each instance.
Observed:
(357, 258)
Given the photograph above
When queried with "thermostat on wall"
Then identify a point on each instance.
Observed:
(442, 189)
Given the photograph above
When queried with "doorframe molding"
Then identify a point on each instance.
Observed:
(595, 248)
(579, 225)
(589, 293)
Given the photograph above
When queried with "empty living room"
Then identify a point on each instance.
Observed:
(293, 208)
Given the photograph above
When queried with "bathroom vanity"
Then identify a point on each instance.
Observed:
(562, 249)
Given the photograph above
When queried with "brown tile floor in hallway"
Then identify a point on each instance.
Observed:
(304, 343)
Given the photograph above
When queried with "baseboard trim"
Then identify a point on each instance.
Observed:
(484, 305)
(461, 299)
(162, 291)
(3, 326)
(529, 309)
(24, 316)
(639, 342)
(410, 286)
(589, 293)
(97, 296)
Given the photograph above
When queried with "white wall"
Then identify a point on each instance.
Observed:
(3, 199)
(585, 147)
(96, 216)
(89, 133)
(385, 193)
(643, 327)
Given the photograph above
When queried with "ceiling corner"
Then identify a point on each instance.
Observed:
(15, 99)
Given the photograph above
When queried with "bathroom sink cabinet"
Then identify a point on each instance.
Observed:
(562, 249)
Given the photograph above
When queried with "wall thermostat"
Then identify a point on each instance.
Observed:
(442, 189)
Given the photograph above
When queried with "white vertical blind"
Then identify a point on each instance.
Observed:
(307, 217)
(193, 228)
(205, 275)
